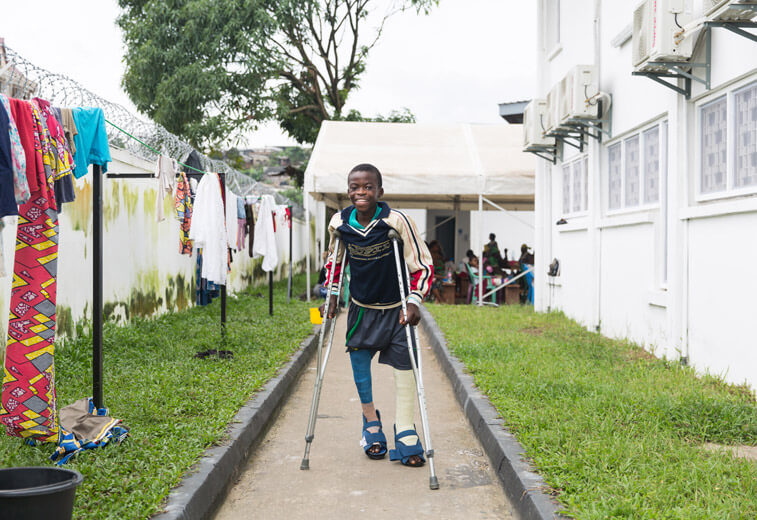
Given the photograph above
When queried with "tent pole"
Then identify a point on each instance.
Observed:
(480, 258)
(289, 283)
(97, 286)
(307, 245)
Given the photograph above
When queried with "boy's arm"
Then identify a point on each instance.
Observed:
(418, 259)
(331, 261)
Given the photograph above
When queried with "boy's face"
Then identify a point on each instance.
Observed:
(364, 191)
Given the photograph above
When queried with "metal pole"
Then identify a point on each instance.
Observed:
(270, 293)
(222, 178)
(480, 258)
(306, 203)
(289, 283)
(97, 287)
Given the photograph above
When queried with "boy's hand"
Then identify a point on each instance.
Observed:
(413, 315)
(332, 307)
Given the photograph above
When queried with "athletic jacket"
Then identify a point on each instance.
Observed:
(370, 255)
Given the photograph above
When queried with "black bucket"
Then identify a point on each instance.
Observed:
(38, 493)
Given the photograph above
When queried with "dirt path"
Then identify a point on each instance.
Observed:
(342, 482)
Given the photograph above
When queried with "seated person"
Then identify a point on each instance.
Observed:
(437, 256)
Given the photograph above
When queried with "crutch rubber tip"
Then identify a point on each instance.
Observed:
(306, 465)
(433, 483)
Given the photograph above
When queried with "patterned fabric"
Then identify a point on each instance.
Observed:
(44, 157)
(63, 160)
(183, 206)
(28, 398)
(83, 427)
(20, 184)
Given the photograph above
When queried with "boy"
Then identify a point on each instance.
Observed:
(375, 321)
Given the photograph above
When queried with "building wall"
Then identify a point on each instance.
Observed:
(672, 275)
(144, 274)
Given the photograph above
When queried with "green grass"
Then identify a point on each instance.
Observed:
(176, 406)
(615, 432)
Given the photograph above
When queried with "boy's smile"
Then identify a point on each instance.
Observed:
(364, 192)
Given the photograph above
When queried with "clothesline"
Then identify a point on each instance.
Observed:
(149, 147)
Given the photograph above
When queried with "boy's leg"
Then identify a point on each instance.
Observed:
(361, 372)
(404, 385)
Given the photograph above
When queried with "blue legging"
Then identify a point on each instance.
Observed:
(361, 371)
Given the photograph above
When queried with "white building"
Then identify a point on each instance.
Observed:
(659, 240)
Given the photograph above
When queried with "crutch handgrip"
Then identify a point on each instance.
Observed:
(393, 235)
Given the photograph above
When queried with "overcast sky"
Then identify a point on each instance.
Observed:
(454, 65)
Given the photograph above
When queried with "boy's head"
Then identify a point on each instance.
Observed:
(364, 187)
(492, 236)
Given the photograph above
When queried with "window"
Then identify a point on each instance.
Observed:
(652, 165)
(728, 144)
(713, 127)
(633, 188)
(616, 182)
(745, 111)
(575, 187)
(634, 167)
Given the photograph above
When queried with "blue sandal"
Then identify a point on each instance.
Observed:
(403, 452)
(371, 439)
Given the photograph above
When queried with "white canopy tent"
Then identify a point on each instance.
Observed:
(428, 166)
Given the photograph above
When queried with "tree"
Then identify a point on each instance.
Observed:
(211, 69)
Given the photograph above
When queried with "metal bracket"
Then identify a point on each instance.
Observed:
(548, 153)
(685, 69)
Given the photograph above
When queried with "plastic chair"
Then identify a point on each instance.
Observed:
(473, 286)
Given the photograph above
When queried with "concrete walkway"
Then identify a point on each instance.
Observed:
(342, 482)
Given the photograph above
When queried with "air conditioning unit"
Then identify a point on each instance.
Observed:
(578, 85)
(656, 24)
(730, 9)
(533, 135)
(552, 115)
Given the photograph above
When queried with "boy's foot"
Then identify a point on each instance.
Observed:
(415, 461)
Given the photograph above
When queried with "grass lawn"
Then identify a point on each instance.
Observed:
(175, 405)
(615, 432)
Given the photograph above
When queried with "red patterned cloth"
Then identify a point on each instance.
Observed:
(28, 398)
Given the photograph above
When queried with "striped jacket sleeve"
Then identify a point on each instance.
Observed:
(417, 257)
(334, 261)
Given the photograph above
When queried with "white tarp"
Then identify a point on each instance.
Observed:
(425, 165)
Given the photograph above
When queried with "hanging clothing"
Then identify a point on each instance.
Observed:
(231, 218)
(265, 235)
(69, 128)
(91, 140)
(21, 112)
(28, 397)
(7, 197)
(208, 229)
(205, 290)
(20, 184)
(249, 225)
(194, 161)
(183, 206)
(64, 186)
(166, 170)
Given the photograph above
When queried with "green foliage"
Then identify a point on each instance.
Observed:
(211, 69)
(175, 405)
(615, 432)
(293, 194)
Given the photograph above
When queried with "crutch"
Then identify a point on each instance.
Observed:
(433, 482)
(321, 360)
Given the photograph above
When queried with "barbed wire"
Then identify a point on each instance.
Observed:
(24, 79)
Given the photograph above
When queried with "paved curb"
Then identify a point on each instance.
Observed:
(200, 493)
(522, 485)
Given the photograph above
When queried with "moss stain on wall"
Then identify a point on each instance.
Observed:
(80, 210)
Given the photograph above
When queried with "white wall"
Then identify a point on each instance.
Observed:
(612, 263)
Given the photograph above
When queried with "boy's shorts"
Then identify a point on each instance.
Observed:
(379, 330)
